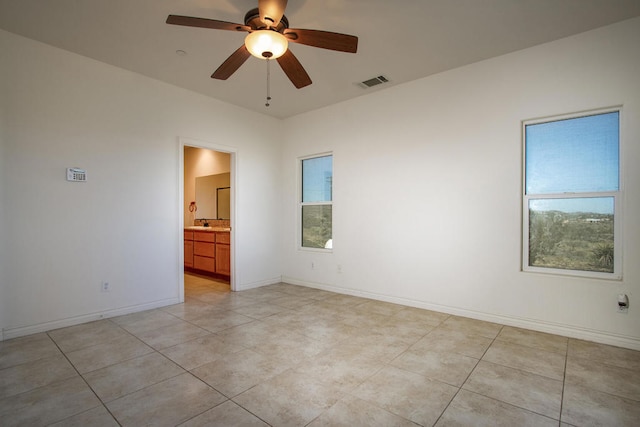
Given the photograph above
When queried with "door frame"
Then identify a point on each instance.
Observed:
(190, 142)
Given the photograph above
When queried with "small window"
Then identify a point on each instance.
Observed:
(316, 202)
(572, 195)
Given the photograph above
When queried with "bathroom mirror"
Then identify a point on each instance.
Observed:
(223, 203)
(207, 196)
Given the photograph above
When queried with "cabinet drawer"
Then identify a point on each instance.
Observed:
(204, 249)
(204, 263)
(204, 236)
(223, 237)
(188, 235)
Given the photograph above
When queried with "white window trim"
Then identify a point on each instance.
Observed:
(617, 204)
(300, 204)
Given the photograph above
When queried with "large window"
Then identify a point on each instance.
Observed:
(572, 195)
(316, 201)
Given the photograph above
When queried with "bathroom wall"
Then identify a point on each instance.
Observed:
(200, 162)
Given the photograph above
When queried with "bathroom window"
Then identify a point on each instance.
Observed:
(571, 203)
(316, 201)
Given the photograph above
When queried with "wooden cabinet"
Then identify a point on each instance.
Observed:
(208, 251)
(188, 248)
(223, 253)
(204, 251)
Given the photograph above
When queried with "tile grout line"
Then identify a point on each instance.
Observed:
(564, 383)
(87, 384)
(470, 373)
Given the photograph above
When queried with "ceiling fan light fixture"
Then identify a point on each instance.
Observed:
(266, 44)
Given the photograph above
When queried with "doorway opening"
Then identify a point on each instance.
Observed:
(207, 200)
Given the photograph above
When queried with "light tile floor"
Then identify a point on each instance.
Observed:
(287, 355)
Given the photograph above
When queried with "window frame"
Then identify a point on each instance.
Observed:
(616, 195)
(301, 203)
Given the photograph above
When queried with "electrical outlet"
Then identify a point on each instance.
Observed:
(623, 303)
(339, 268)
(105, 287)
(313, 265)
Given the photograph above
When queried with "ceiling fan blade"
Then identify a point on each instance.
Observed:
(271, 11)
(190, 21)
(323, 39)
(294, 70)
(232, 63)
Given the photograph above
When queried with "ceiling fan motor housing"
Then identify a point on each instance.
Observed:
(252, 19)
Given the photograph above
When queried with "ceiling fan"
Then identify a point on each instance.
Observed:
(268, 38)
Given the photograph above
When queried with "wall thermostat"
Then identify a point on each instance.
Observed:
(76, 175)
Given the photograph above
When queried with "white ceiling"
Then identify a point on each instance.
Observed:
(403, 40)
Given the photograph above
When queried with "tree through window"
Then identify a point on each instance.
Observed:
(571, 194)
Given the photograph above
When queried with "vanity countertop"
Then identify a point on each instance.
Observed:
(202, 228)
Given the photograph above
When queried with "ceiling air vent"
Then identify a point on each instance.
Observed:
(374, 82)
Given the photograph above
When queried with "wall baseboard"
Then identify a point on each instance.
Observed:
(76, 320)
(259, 284)
(602, 337)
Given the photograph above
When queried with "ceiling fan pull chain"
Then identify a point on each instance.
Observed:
(268, 84)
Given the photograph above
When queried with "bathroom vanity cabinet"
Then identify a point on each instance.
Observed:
(208, 250)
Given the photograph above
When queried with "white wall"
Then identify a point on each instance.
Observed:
(61, 239)
(427, 188)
